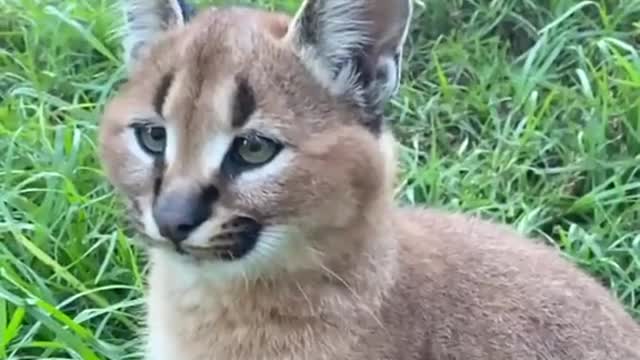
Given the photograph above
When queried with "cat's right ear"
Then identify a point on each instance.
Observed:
(146, 20)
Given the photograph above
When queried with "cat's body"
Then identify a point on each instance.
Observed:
(449, 287)
(252, 151)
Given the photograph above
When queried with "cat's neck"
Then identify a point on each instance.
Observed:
(290, 316)
(359, 272)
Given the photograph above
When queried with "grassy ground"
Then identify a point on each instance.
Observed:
(527, 111)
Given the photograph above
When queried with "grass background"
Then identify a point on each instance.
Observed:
(526, 111)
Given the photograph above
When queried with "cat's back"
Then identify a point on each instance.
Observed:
(488, 293)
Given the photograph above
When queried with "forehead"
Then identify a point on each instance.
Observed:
(227, 61)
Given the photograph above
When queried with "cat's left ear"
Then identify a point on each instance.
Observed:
(146, 20)
(354, 47)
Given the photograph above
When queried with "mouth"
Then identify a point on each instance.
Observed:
(237, 238)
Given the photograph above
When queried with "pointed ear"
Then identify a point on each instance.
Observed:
(354, 47)
(146, 20)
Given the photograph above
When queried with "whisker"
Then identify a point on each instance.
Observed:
(222, 245)
(353, 292)
(306, 297)
(245, 277)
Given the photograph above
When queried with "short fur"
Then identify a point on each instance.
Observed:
(339, 271)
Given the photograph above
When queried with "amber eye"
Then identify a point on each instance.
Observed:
(255, 150)
(152, 138)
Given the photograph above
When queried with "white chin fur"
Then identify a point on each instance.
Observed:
(279, 249)
(150, 227)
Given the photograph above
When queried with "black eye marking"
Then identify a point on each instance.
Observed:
(244, 103)
(161, 93)
(158, 175)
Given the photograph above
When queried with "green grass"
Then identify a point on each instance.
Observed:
(525, 111)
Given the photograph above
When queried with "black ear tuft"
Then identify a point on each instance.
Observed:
(188, 11)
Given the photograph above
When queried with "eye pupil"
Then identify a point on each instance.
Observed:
(157, 133)
(151, 138)
(254, 146)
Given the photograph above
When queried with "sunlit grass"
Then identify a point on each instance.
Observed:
(524, 111)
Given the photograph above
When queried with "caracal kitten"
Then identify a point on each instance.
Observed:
(252, 150)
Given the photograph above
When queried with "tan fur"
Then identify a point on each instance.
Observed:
(354, 277)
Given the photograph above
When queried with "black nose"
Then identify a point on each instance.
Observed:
(178, 213)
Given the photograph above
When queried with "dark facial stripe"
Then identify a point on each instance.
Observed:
(158, 174)
(244, 103)
(161, 93)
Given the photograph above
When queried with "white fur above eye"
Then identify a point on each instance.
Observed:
(215, 151)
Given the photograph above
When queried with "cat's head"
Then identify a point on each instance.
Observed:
(243, 137)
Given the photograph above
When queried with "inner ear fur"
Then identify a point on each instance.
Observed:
(354, 47)
(146, 20)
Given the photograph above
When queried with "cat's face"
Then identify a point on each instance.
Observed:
(242, 135)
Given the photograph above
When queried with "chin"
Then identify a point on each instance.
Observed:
(258, 253)
(235, 241)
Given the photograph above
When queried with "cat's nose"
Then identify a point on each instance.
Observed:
(179, 212)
